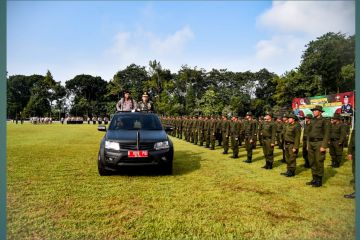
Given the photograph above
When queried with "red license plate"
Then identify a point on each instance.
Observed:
(137, 154)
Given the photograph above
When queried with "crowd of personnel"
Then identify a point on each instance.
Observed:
(318, 134)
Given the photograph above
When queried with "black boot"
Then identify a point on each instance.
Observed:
(318, 181)
(291, 173)
(266, 166)
(312, 181)
(307, 165)
(225, 152)
(234, 156)
(270, 165)
(285, 173)
(248, 160)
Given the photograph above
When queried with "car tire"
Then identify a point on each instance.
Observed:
(101, 168)
(167, 168)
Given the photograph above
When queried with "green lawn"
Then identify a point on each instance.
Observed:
(54, 192)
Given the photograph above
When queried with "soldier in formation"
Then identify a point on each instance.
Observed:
(291, 136)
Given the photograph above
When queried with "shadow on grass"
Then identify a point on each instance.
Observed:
(184, 163)
(329, 172)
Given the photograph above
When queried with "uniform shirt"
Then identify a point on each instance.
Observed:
(225, 127)
(338, 131)
(145, 106)
(234, 128)
(319, 128)
(351, 148)
(269, 130)
(249, 128)
(306, 130)
(292, 134)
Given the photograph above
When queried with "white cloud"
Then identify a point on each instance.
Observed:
(310, 17)
(172, 43)
(140, 46)
(293, 24)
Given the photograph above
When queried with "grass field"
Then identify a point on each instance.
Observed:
(54, 192)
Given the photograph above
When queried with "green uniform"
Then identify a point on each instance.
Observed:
(201, 123)
(225, 130)
(337, 141)
(279, 134)
(351, 151)
(268, 132)
(291, 138)
(318, 136)
(218, 133)
(259, 130)
(196, 131)
(234, 137)
(304, 144)
(207, 133)
(249, 131)
(212, 133)
(256, 132)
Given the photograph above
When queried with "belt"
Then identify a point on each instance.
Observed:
(266, 137)
(287, 143)
(334, 139)
(315, 139)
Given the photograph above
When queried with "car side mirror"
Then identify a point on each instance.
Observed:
(169, 129)
(102, 128)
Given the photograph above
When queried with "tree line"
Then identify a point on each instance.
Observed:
(326, 67)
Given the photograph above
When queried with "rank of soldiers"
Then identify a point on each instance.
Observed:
(283, 131)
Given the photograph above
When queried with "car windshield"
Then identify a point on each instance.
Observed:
(134, 122)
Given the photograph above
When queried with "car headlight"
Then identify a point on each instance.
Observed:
(161, 145)
(112, 145)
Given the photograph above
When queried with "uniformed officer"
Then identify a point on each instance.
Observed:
(291, 136)
(337, 140)
(213, 128)
(284, 121)
(279, 129)
(318, 138)
(225, 130)
(234, 136)
(351, 157)
(200, 127)
(268, 132)
(145, 104)
(307, 122)
(249, 131)
(207, 131)
(261, 120)
(218, 134)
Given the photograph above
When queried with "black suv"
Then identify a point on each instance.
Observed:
(135, 139)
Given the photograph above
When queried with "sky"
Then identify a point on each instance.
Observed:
(101, 38)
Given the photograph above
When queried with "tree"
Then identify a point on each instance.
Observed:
(323, 60)
(86, 88)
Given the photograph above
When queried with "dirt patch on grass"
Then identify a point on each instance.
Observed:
(244, 187)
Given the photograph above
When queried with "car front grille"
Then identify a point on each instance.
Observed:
(132, 146)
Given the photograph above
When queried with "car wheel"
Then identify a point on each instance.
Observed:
(101, 169)
(167, 168)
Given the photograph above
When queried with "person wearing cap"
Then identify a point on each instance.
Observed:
(307, 123)
(351, 157)
(234, 136)
(201, 129)
(318, 138)
(225, 130)
(291, 135)
(145, 104)
(126, 103)
(268, 132)
(249, 127)
(346, 107)
(218, 134)
(337, 140)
